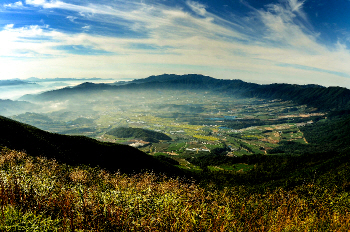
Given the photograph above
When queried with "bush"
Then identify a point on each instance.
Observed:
(38, 194)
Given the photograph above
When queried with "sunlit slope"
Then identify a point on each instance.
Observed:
(76, 150)
(313, 95)
(38, 194)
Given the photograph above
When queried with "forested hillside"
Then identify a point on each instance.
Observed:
(138, 133)
(331, 98)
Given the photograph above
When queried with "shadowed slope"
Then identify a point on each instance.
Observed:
(76, 150)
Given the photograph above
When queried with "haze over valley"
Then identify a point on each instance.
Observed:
(197, 113)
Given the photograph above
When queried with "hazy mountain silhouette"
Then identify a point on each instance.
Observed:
(323, 98)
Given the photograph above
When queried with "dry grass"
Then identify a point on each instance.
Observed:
(62, 198)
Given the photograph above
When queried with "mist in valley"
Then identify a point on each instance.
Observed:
(13, 92)
(198, 113)
(101, 110)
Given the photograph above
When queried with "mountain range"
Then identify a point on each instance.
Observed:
(320, 97)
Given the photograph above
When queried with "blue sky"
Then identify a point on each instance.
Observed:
(280, 41)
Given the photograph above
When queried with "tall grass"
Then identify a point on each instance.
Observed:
(37, 194)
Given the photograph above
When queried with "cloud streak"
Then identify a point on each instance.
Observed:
(162, 38)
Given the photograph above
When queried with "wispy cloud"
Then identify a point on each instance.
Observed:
(86, 28)
(282, 28)
(134, 34)
(197, 7)
(297, 6)
(303, 67)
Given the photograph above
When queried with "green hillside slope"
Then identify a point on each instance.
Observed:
(146, 135)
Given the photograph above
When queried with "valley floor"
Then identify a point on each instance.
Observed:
(198, 122)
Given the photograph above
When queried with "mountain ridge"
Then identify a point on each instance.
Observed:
(323, 98)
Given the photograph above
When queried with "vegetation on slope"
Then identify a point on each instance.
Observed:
(39, 194)
(76, 150)
(146, 135)
(323, 98)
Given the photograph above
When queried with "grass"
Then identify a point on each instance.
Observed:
(243, 167)
(204, 137)
(211, 146)
(15, 220)
(38, 194)
(160, 153)
(176, 146)
(235, 167)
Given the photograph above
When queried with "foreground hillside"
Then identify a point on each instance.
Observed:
(76, 150)
(38, 194)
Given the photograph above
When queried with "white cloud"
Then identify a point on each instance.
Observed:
(71, 18)
(296, 5)
(281, 28)
(35, 2)
(18, 4)
(9, 26)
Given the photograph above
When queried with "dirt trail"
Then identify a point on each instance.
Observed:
(303, 136)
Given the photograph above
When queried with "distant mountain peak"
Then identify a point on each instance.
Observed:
(172, 77)
(13, 82)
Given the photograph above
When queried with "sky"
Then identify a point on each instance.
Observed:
(260, 41)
